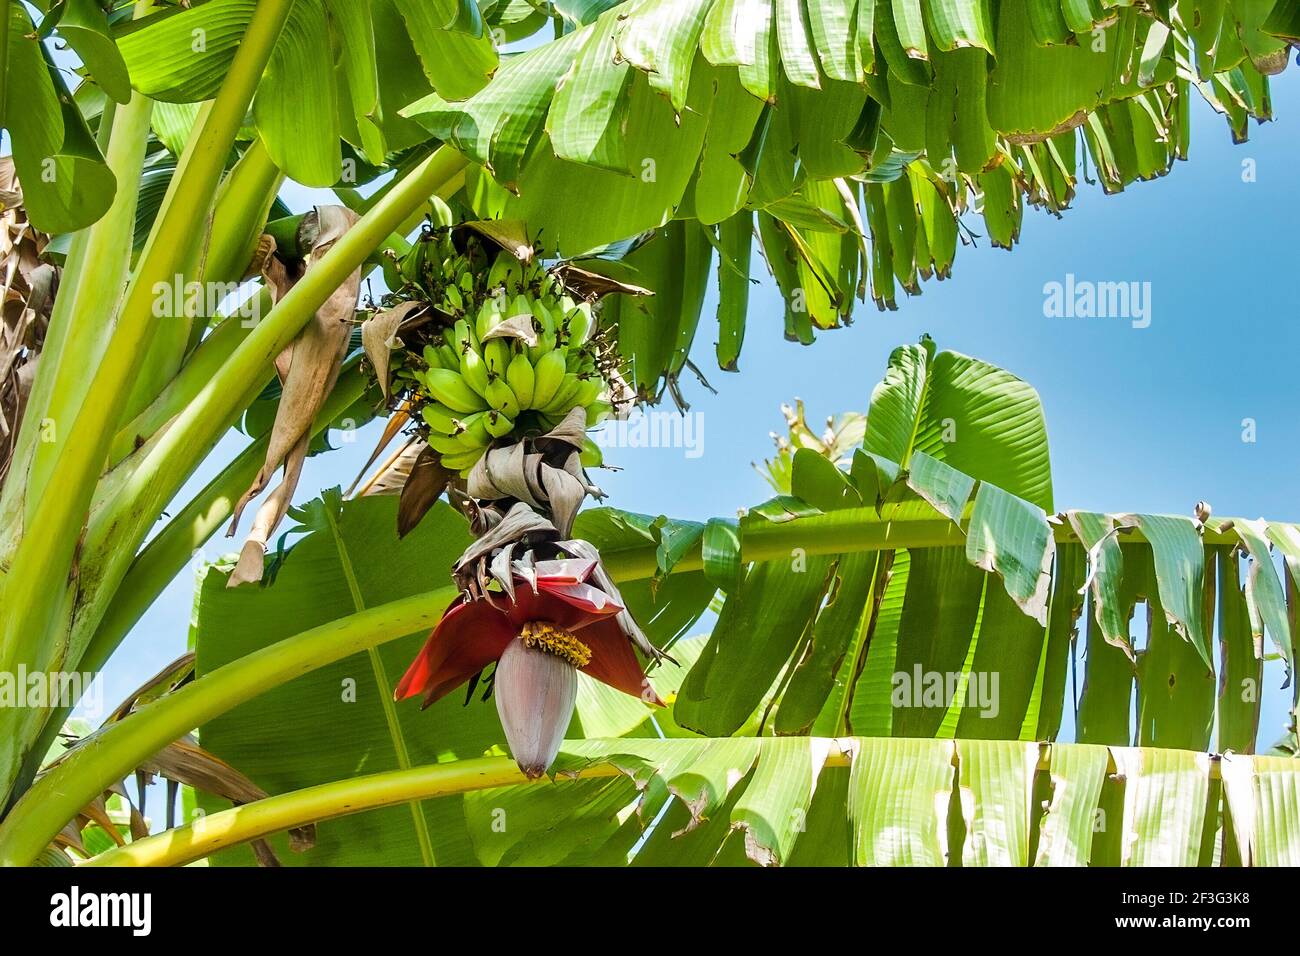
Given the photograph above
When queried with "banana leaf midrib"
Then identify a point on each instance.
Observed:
(857, 529)
(373, 791)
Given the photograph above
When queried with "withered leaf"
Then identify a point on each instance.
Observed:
(510, 234)
(564, 494)
(424, 486)
(379, 335)
(308, 369)
(390, 484)
(593, 285)
(516, 327)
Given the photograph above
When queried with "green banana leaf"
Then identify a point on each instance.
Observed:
(327, 82)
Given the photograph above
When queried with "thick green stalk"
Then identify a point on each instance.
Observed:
(242, 206)
(71, 784)
(4, 57)
(93, 277)
(202, 364)
(162, 344)
(29, 599)
(228, 828)
(98, 264)
(218, 259)
(95, 271)
(844, 531)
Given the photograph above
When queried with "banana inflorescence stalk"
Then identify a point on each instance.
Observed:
(501, 369)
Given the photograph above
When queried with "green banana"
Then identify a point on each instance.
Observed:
(593, 456)
(450, 340)
(452, 390)
(498, 424)
(439, 417)
(462, 462)
(522, 305)
(465, 335)
(412, 265)
(452, 445)
(500, 397)
(475, 388)
(546, 342)
(454, 300)
(476, 432)
(474, 370)
(579, 324)
(433, 358)
(580, 361)
(588, 391)
(549, 374)
(563, 400)
(496, 355)
(544, 316)
(521, 379)
(449, 357)
(488, 318)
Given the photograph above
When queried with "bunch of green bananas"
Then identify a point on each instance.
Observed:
(478, 387)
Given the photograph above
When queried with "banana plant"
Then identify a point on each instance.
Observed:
(851, 137)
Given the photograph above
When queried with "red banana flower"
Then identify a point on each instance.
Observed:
(554, 624)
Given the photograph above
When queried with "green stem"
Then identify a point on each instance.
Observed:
(242, 206)
(116, 750)
(29, 599)
(228, 828)
(163, 342)
(219, 254)
(327, 801)
(198, 370)
(384, 688)
(4, 56)
(97, 265)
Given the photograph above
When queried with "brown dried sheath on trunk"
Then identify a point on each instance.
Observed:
(308, 369)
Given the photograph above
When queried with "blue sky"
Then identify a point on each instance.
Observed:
(1140, 419)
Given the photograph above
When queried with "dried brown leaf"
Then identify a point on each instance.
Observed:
(510, 234)
(516, 327)
(521, 525)
(396, 422)
(309, 369)
(564, 495)
(379, 336)
(572, 431)
(423, 487)
(592, 285)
